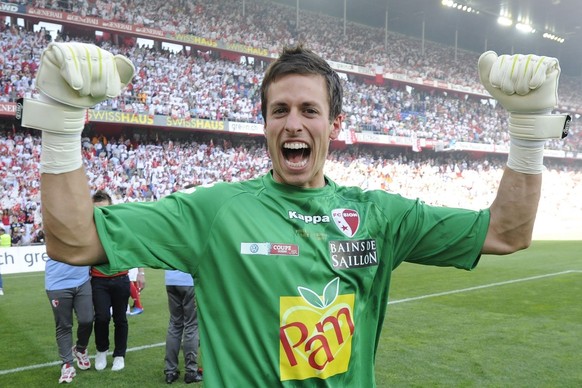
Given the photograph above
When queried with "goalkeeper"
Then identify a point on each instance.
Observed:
(292, 270)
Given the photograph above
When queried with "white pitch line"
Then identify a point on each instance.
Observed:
(480, 287)
(38, 366)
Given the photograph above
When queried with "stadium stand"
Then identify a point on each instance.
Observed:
(137, 164)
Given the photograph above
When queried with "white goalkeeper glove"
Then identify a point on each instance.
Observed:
(527, 87)
(71, 78)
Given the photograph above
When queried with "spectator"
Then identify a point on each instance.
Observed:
(136, 284)
(110, 297)
(17, 235)
(69, 290)
(5, 242)
(6, 220)
(182, 329)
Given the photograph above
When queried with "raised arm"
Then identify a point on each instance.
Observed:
(67, 216)
(513, 213)
(71, 78)
(527, 86)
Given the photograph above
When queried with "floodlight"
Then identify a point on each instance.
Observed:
(504, 21)
(551, 36)
(524, 27)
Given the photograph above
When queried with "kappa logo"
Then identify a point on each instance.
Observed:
(308, 219)
(347, 221)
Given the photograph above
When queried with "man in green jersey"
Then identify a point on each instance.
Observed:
(291, 270)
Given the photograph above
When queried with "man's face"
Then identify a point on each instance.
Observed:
(298, 130)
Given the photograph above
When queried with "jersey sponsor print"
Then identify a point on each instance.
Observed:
(315, 333)
(267, 249)
(317, 326)
(347, 221)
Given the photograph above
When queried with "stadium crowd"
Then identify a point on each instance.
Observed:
(194, 84)
(267, 24)
(148, 165)
(202, 85)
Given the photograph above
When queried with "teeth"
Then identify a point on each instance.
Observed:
(295, 145)
(300, 164)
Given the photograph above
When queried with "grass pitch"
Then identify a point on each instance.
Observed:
(514, 321)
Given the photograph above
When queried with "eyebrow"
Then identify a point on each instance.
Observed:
(306, 104)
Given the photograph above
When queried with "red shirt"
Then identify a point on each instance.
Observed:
(98, 274)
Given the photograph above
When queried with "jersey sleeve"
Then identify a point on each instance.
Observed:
(167, 234)
(434, 235)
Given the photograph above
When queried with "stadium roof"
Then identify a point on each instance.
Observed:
(562, 17)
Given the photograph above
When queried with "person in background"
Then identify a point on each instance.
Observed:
(136, 285)
(69, 289)
(17, 236)
(37, 235)
(26, 237)
(110, 299)
(5, 220)
(5, 242)
(15, 225)
(182, 329)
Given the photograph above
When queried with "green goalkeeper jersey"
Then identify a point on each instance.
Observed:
(291, 283)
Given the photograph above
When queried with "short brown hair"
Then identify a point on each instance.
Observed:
(300, 60)
(101, 196)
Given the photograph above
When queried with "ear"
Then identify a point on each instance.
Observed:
(336, 127)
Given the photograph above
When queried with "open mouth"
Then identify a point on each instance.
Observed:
(296, 154)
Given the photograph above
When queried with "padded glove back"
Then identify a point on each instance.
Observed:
(527, 87)
(521, 83)
(82, 75)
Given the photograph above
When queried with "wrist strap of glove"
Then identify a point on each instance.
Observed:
(61, 153)
(526, 156)
(61, 127)
(538, 127)
(49, 115)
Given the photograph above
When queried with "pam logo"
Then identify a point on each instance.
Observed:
(347, 221)
(315, 333)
